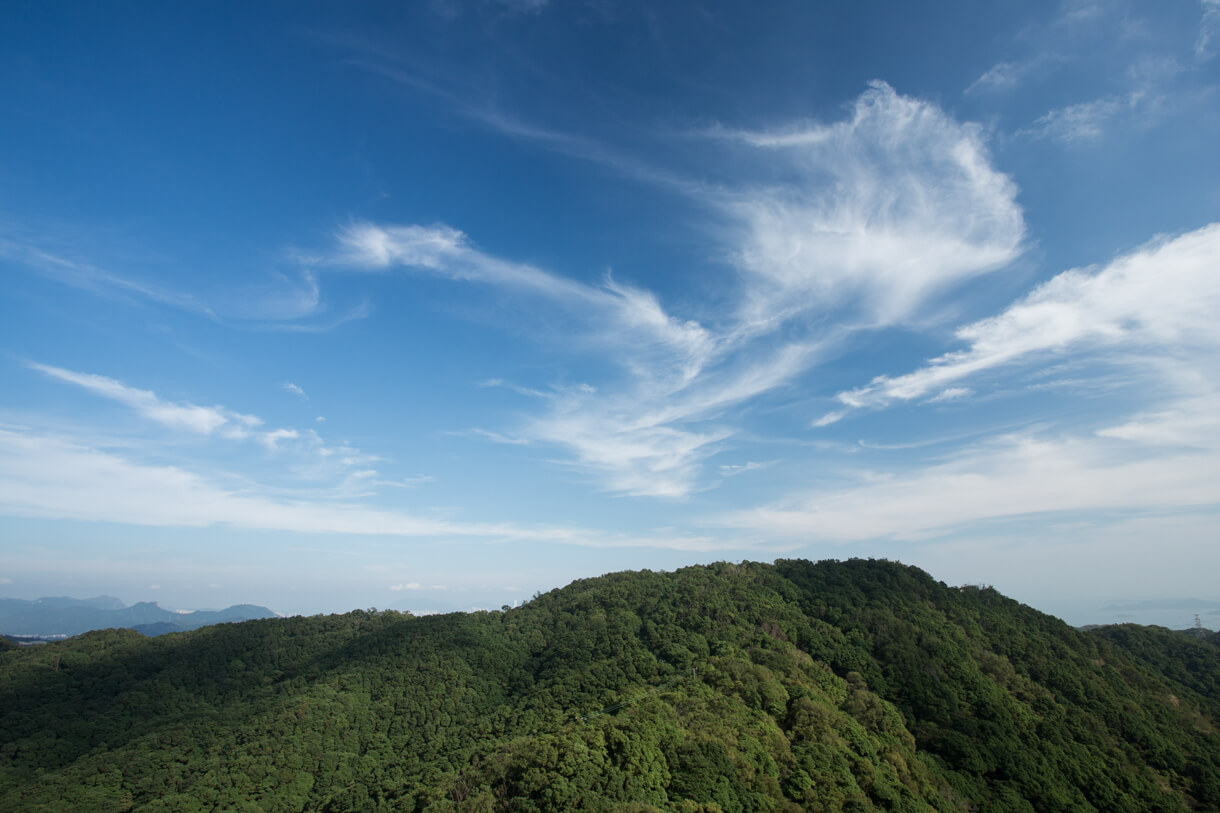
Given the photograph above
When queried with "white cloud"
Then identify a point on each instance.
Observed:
(732, 470)
(270, 439)
(278, 303)
(379, 247)
(407, 586)
(294, 389)
(1001, 76)
(83, 275)
(1158, 463)
(633, 457)
(650, 439)
(494, 437)
(311, 458)
(1209, 30)
(406, 482)
(883, 210)
(1186, 423)
(1084, 121)
(526, 391)
(614, 308)
(829, 418)
(214, 420)
(1164, 295)
(1077, 12)
(47, 476)
(6, 581)
(1149, 94)
(204, 420)
(951, 394)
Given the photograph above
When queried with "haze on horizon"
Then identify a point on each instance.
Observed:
(438, 305)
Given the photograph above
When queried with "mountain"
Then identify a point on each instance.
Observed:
(69, 616)
(830, 686)
(97, 602)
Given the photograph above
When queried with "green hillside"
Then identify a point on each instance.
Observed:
(853, 685)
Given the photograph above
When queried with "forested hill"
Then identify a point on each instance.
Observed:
(853, 685)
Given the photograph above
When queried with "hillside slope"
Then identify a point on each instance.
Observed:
(796, 686)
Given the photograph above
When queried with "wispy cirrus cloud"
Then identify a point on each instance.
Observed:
(1079, 122)
(478, 104)
(45, 475)
(87, 276)
(266, 299)
(618, 436)
(951, 394)
(874, 217)
(1147, 95)
(614, 307)
(882, 210)
(734, 469)
(271, 439)
(49, 476)
(199, 419)
(1044, 46)
(999, 77)
(309, 457)
(1163, 295)
(1157, 462)
(1123, 63)
(1209, 30)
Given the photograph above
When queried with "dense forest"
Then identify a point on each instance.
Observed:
(825, 686)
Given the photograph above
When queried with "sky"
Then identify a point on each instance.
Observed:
(437, 305)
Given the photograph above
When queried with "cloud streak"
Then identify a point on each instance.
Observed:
(183, 416)
(49, 476)
(1209, 30)
(1167, 461)
(289, 302)
(310, 457)
(614, 306)
(1163, 295)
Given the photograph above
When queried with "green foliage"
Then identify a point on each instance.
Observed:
(833, 686)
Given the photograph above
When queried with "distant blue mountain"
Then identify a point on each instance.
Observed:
(97, 602)
(70, 616)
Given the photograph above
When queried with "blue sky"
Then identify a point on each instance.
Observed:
(436, 305)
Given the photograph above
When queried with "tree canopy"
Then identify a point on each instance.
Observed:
(829, 686)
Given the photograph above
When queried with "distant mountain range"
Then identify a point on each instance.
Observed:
(60, 615)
